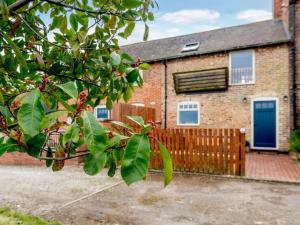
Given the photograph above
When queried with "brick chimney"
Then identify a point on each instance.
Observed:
(281, 10)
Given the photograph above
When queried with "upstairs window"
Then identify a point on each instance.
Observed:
(190, 47)
(102, 113)
(188, 114)
(242, 67)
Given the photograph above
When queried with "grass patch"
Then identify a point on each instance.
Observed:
(10, 217)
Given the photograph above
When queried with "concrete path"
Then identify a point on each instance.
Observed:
(74, 198)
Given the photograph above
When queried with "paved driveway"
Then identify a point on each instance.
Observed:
(74, 198)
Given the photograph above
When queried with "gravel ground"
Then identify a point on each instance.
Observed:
(74, 198)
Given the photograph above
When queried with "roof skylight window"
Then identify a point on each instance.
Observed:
(190, 47)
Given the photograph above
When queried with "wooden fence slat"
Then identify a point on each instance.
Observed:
(200, 150)
(186, 149)
(191, 147)
(221, 146)
(173, 152)
(182, 144)
(242, 154)
(210, 147)
(215, 151)
(237, 152)
(226, 150)
(231, 151)
(168, 141)
(196, 150)
(177, 146)
(205, 151)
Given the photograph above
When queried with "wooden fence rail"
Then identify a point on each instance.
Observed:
(215, 151)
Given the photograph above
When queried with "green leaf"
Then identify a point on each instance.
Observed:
(35, 145)
(146, 129)
(5, 112)
(109, 103)
(133, 75)
(127, 94)
(2, 149)
(136, 158)
(50, 119)
(121, 124)
(31, 113)
(112, 22)
(17, 51)
(115, 59)
(111, 163)
(50, 155)
(95, 136)
(144, 66)
(10, 146)
(59, 164)
(63, 25)
(2, 102)
(168, 168)
(94, 163)
(74, 21)
(71, 134)
(55, 22)
(137, 119)
(69, 88)
(150, 16)
(146, 32)
(128, 57)
(130, 4)
(4, 10)
(128, 30)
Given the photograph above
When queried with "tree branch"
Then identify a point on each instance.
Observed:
(98, 12)
(19, 4)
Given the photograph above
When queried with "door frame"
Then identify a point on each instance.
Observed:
(277, 121)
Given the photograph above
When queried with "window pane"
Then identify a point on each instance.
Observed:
(242, 67)
(102, 113)
(188, 117)
(241, 59)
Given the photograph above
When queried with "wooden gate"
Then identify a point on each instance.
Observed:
(214, 151)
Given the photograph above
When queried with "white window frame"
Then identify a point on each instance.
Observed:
(253, 67)
(188, 103)
(139, 104)
(101, 107)
(190, 47)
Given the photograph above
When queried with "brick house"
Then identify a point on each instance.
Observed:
(239, 77)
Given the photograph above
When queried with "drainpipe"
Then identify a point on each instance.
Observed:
(166, 92)
(292, 29)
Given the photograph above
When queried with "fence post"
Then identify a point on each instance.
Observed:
(242, 153)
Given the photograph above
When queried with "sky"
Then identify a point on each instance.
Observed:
(179, 17)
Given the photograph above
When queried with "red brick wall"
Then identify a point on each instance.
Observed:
(151, 94)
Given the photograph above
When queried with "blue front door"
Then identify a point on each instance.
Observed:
(264, 124)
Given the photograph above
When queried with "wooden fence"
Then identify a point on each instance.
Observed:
(147, 113)
(214, 151)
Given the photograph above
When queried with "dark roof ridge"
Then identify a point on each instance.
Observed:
(207, 31)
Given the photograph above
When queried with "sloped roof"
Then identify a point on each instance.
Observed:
(238, 37)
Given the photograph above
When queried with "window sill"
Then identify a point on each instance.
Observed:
(252, 83)
(188, 125)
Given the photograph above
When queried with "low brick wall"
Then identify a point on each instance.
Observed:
(17, 158)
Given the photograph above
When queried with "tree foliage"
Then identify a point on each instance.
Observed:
(58, 58)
